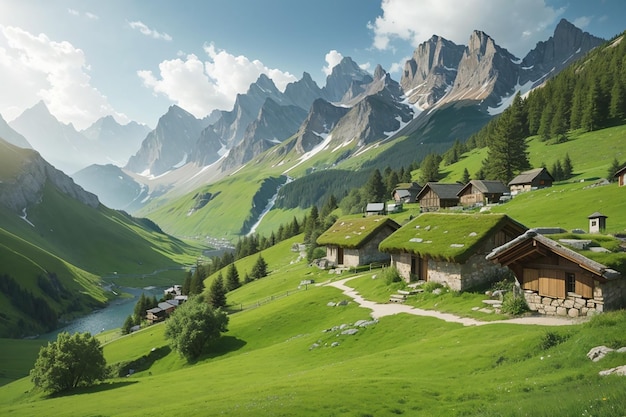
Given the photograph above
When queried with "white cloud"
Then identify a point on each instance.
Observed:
(332, 59)
(398, 66)
(516, 25)
(582, 22)
(88, 15)
(35, 68)
(200, 87)
(145, 30)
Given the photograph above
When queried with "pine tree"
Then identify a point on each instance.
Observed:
(568, 168)
(507, 153)
(197, 282)
(186, 284)
(559, 124)
(375, 189)
(217, 292)
(259, 270)
(312, 223)
(615, 166)
(617, 108)
(466, 176)
(140, 309)
(128, 324)
(232, 278)
(557, 171)
(429, 168)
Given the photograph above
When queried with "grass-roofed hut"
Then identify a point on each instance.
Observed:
(450, 248)
(353, 241)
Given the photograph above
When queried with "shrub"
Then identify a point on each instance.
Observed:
(431, 286)
(514, 305)
(390, 275)
(550, 339)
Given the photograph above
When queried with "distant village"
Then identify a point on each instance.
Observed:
(463, 251)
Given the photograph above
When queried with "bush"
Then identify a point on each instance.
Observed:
(390, 275)
(550, 339)
(514, 305)
(431, 286)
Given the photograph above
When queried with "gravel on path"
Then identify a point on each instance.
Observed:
(381, 310)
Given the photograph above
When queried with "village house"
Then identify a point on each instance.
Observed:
(164, 309)
(450, 248)
(434, 196)
(531, 180)
(557, 280)
(374, 209)
(482, 192)
(353, 241)
(406, 192)
(621, 176)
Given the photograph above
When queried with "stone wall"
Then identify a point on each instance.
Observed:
(606, 296)
(402, 262)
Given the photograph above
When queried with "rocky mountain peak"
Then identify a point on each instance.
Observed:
(549, 57)
(346, 75)
(431, 71)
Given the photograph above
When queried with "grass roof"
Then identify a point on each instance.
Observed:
(446, 236)
(352, 232)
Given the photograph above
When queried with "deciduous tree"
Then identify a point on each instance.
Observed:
(69, 362)
(193, 326)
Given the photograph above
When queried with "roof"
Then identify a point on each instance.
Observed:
(527, 177)
(155, 310)
(524, 247)
(402, 193)
(408, 186)
(486, 187)
(443, 191)
(165, 306)
(353, 232)
(375, 207)
(620, 171)
(448, 236)
(596, 215)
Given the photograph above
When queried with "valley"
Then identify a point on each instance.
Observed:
(132, 210)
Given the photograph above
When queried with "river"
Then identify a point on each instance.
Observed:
(110, 317)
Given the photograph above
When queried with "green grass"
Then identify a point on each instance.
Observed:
(352, 231)
(434, 234)
(278, 359)
(17, 358)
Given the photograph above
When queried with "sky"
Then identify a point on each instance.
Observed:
(133, 59)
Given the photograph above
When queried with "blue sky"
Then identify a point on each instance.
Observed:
(134, 58)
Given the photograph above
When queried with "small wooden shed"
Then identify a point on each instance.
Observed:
(434, 196)
(621, 176)
(406, 192)
(477, 192)
(557, 280)
(530, 180)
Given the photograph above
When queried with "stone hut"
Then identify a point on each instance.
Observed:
(557, 280)
(450, 248)
(353, 241)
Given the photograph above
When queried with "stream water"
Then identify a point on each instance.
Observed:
(110, 317)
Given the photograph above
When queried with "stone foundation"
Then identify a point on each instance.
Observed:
(573, 305)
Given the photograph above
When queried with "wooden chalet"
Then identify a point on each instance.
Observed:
(621, 176)
(450, 248)
(406, 192)
(557, 280)
(354, 241)
(482, 192)
(531, 180)
(155, 315)
(434, 196)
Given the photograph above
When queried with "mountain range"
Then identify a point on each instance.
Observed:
(459, 86)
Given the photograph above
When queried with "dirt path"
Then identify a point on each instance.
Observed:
(382, 310)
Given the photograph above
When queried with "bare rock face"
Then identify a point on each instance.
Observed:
(26, 186)
(431, 71)
(486, 72)
(322, 118)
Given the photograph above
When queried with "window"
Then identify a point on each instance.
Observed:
(570, 282)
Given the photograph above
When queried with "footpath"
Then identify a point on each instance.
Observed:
(382, 310)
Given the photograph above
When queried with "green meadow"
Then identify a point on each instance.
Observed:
(286, 356)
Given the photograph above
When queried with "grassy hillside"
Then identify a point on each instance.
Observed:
(60, 256)
(279, 359)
